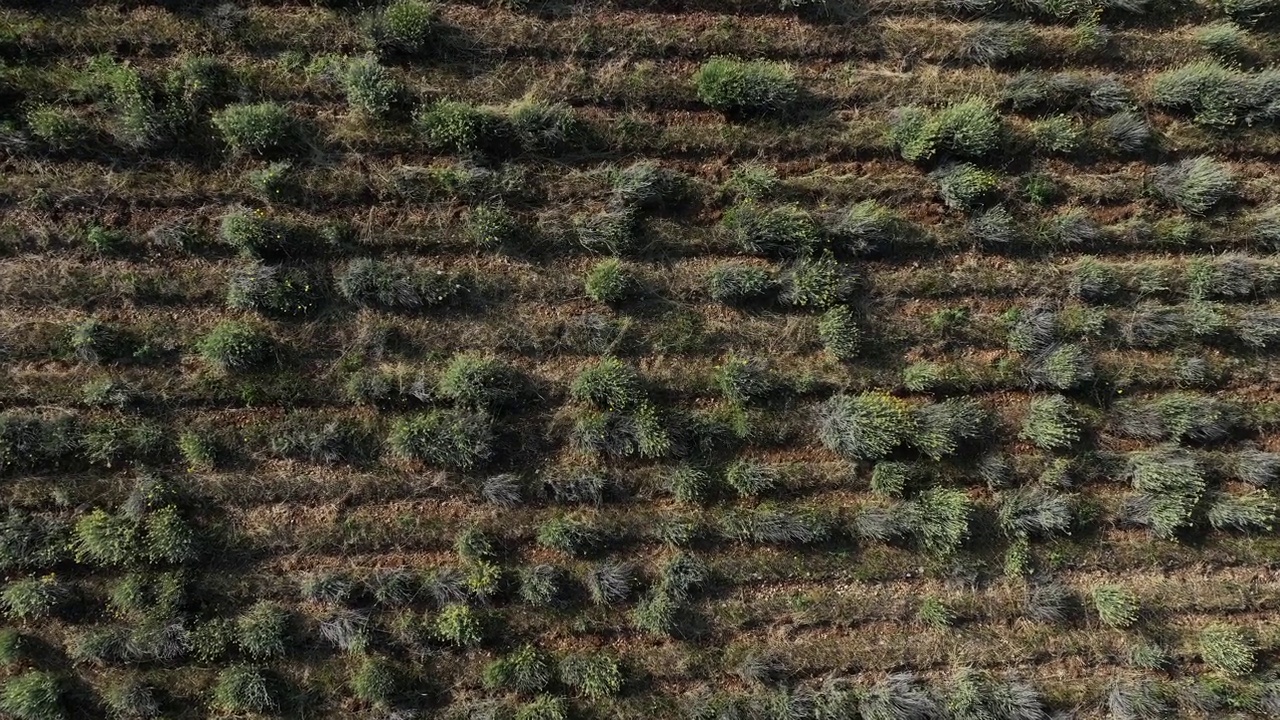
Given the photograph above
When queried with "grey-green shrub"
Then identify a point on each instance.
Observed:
(941, 429)
(33, 695)
(865, 227)
(235, 346)
(256, 234)
(818, 283)
(396, 285)
(840, 333)
(374, 681)
(491, 226)
(865, 427)
(594, 677)
(688, 484)
(457, 439)
(58, 127)
(1194, 185)
(938, 519)
(371, 89)
(1034, 511)
(1116, 606)
(545, 127)
(780, 230)
(746, 88)
(261, 630)
(1125, 131)
(525, 670)
(1052, 423)
(1170, 483)
(1252, 511)
(131, 700)
(737, 284)
(994, 42)
(1222, 39)
(750, 478)
(963, 186)
(255, 127)
(969, 129)
(461, 128)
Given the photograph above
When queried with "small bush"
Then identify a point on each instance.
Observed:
(781, 230)
(395, 286)
(374, 681)
(743, 380)
(940, 429)
(12, 647)
(544, 707)
(608, 384)
(131, 700)
(746, 89)
(938, 519)
(1058, 135)
(609, 281)
(371, 89)
(1063, 368)
(545, 127)
(255, 128)
(1141, 701)
(479, 381)
(1256, 467)
(106, 539)
(503, 490)
(658, 614)
(1171, 484)
(463, 129)
(898, 697)
(865, 227)
(993, 227)
(455, 439)
(526, 670)
(235, 347)
(1116, 607)
(283, 291)
(253, 233)
(1249, 12)
(613, 231)
(890, 479)
(1175, 416)
(243, 689)
(33, 695)
(1226, 649)
(865, 427)
(750, 479)
(261, 630)
(990, 43)
(1051, 423)
(971, 129)
(647, 186)
(32, 598)
(740, 284)
(542, 586)
(1252, 511)
(94, 341)
(1034, 511)
(492, 225)
(569, 535)
(1223, 40)
(405, 26)
(818, 283)
(935, 613)
(1194, 185)
(1125, 131)
(594, 677)
(459, 625)
(1049, 603)
(688, 484)
(59, 128)
(963, 186)
(839, 332)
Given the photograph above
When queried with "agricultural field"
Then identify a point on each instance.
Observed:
(640, 360)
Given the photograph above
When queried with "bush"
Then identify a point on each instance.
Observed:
(106, 539)
(990, 43)
(1051, 423)
(1073, 227)
(33, 695)
(544, 707)
(740, 284)
(235, 347)
(271, 289)
(839, 332)
(742, 380)
(777, 527)
(94, 341)
(255, 128)
(12, 647)
(1216, 95)
(1141, 701)
(1226, 649)
(374, 681)
(1256, 467)
(783, 230)
(545, 127)
(253, 233)
(1093, 280)
(570, 536)
(610, 282)
(457, 439)
(1175, 416)
(746, 89)
(611, 231)
(33, 598)
(1222, 39)
(594, 677)
(890, 479)
(1057, 135)
(479, 381)
(243, 689)
(941, 428)
(524, 671)
(1063, 368)
(865, 427)
(865, 227)
(645, 185)
(405, 26)
(1125, 131)
(1194, 185)
(971, 129)
(371, 88)
(818, 283)
(261, 630)
(463, 129)
(131, 700)
(963, 186)
(1170, 483)
(750, 478)
(1034, 511)
(682, 575)
(658, 614)
(542, 586)
(608, 384)
(395, 286)
(459, 625)
(1050, 603)
(59, 128)
(1252, 511)
(1116, 607)
(938, 519)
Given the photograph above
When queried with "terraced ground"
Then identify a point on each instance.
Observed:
(879, 359)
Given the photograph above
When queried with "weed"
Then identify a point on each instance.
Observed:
(609, 281)
(1194, 185)
(746, 89)
(865, 427)
(243, 689)
(256, 128)
(456, 439)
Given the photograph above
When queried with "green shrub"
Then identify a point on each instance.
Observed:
(261, 630)
(739, 284)
(963, 186)
(33, 598)
(608, 384)
(479, 381)
(742, 380)
(683, 575)
(1215, 95)
(594, 677)
(745, 89)
(611, 231)
(243, 689)
(463, 129)
(1251, 511)
(526, 670)
(94, 341)
(1175, 416)
(865, 427)
(58, 127)
(544, 707)
(1194, 185)
(255, 128)
(1222, 39)
(395, 286)
(11, 647)
(891, 478)
(1226, 649)
(938, 519)
(131, 700)
(491, 226)
(235, 347)
(786, 230)
(1057, 135)
(1116, 606)
(940, 429)
(106, 539)
(545, 127)
(1052, 423)
(275, 290)
(645, 185)
(750, 478)
(33, 695)
(839, 332)
(371, 89)
(996, 42)
(935, 613)
(609, 281)
(405, 26)
(542, 586)
(1063, 368)
(864, 228)
(255, 234)
(818, 283)
(1034, 511)
(1170, 483)
(569, 535)
(658, 614)
(459, 625)
(374, 681)
(688, 484)
(455, 439)
(970, 129)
